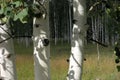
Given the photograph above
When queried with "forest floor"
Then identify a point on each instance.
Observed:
(103, 68)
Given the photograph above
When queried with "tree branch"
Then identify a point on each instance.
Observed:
(14, 37)
(41, 4)
(2, 23)
(5, 40)
(6, 31)
(100, 43)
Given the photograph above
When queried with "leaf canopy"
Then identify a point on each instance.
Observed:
(19, 9)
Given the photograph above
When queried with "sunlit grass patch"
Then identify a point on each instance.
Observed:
(59, 68)
(25, 69)
(104, 69)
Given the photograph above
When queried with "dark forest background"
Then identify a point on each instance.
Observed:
(103, 21)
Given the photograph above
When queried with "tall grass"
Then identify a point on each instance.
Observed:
(24, 64)
(104, 69)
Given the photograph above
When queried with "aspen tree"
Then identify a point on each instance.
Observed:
(7, 56)
(41, 43)
(78, 35)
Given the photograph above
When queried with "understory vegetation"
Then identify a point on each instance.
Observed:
(103, 68)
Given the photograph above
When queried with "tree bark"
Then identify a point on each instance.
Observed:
(78, 35)
(7, 56)
(41, 46)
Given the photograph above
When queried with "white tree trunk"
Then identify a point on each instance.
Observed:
(70, 17)
(93, 29)
(78, 35)
(41, 49)
(7, 56)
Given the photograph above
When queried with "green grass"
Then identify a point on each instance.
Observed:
(24, 64)
(104, 69)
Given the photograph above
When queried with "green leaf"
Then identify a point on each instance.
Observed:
(22, 15)
(7, 11)
(1, 11)
(1, 8)
(108, 11)
(15, 17)
(17, 3)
